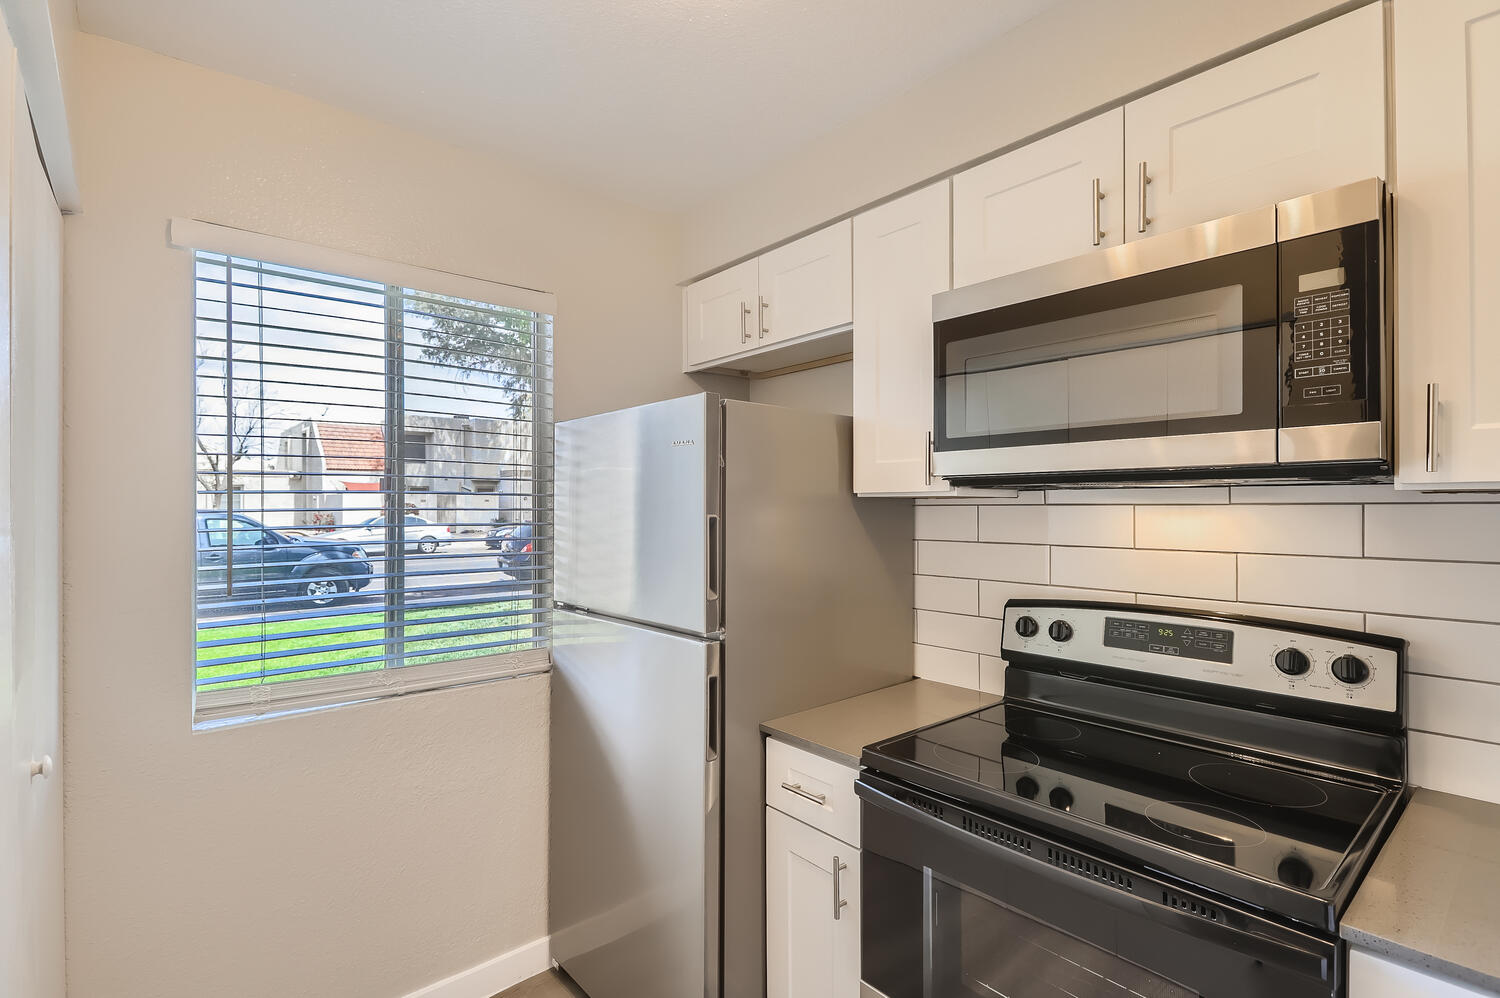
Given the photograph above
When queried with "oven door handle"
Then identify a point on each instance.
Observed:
(1288, 949)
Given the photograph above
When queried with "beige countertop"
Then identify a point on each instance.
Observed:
(839, 730)
(1432, 899)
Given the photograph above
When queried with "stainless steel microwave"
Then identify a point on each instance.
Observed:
(1251, 348)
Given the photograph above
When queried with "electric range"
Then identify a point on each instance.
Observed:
(1167, 802)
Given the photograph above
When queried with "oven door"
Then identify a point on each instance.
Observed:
(1155, 356)
(959, 905)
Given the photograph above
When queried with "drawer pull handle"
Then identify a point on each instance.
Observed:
(796, 788)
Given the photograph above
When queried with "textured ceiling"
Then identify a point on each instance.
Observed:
(660, 102)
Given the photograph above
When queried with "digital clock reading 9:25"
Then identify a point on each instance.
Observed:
(1206, 644)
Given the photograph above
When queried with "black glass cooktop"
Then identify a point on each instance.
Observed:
(1286, 826)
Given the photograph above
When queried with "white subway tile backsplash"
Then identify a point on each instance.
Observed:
(1301, 614)
(959, 631)
(1325, 530)
(1085, 526)
(993, 595)
(1411, 588)
(1168, 573)
(992, 674)
(1360, 557)
(946, 665)
(1443, 647)
(1006, 562)
(1454, 765)
(1141, 496)
(948, 595)
(947, 523)
(1453, 707)
(1438, 533)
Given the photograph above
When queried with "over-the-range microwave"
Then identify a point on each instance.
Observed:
(1250, 348)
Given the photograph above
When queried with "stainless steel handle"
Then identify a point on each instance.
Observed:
(1098, 196)
(712, 540)
(713, 722)
(764, 329)
(1141, 182)
(1432, 414)
(744, 323)
(929, 457)
(796, 788)
(838, 901)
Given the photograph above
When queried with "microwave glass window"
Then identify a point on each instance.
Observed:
(1154, 362)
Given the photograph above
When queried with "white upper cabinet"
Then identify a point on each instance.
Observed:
(900, 261)
(806, 286)
(1058, 197)
(1299, 116)
(812, 912)
(717, 314)
(1447, 76)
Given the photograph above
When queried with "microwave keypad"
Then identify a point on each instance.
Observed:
(1321, 347)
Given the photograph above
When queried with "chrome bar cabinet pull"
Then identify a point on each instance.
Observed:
(1141, 182)
(744, 319)
(1098, 197)
(764, 329)
(796, 788)
(838, 901)
(1432, 414)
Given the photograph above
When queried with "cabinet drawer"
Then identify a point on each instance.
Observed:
(824, 790)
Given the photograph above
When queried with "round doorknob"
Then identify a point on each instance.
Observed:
(42, 767)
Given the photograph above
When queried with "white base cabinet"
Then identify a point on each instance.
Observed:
(1447, 73)
(1372, 976)
(812, 912)
(901, 257)
(1296, 117)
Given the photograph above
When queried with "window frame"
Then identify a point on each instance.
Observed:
(219, 707)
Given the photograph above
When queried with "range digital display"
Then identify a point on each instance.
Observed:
(1207, 644)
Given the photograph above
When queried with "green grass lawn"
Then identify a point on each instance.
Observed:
(262, 639)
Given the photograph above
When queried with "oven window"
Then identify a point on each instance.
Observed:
(985, 949)
(1183, 351)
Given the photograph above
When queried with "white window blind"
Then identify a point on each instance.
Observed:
(374, 488)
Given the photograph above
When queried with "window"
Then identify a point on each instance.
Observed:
(360, 569)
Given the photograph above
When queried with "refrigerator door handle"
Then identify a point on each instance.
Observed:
(713, 718)
(713, 556)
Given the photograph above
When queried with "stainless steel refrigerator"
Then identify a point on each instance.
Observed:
(713, 570)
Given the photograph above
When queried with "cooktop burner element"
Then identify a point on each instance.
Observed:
(1043, 728)
(1258, 784)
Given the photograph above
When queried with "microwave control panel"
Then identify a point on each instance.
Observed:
(1331, 326)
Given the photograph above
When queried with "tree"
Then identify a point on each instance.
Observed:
(501, 342)
(226, 429)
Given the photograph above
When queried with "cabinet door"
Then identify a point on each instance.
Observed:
(806, 286)
(901, 253)
(1038, 203)
(1448, 241)
(718, 315)
(812, 941)
(1296, 117)
(1372, 976)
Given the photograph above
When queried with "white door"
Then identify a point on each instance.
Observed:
(806, 286)
(812, 912)
(717, 314)
(1447, 71)
(1293, 118)
(901, 256)
(1058, 197)
(31, 886)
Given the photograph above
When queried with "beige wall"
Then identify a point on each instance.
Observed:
(363, 851)
(1077, 56)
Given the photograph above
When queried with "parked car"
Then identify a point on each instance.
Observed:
(266, 562)
(421, 534)
(518, 555)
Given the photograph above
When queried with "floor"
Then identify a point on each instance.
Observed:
(550, 984)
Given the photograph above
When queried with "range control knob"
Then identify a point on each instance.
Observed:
(1026, 626)
(1294, 871)
(1292, 662)
(1060, 631)
(1028, 788)
(1061, 798)
(1351, 669)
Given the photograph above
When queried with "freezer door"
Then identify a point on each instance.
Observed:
(635, 818)
(638, 513)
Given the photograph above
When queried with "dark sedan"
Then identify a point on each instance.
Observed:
(268, 563)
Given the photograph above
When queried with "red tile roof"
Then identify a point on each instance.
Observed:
(352, 447)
